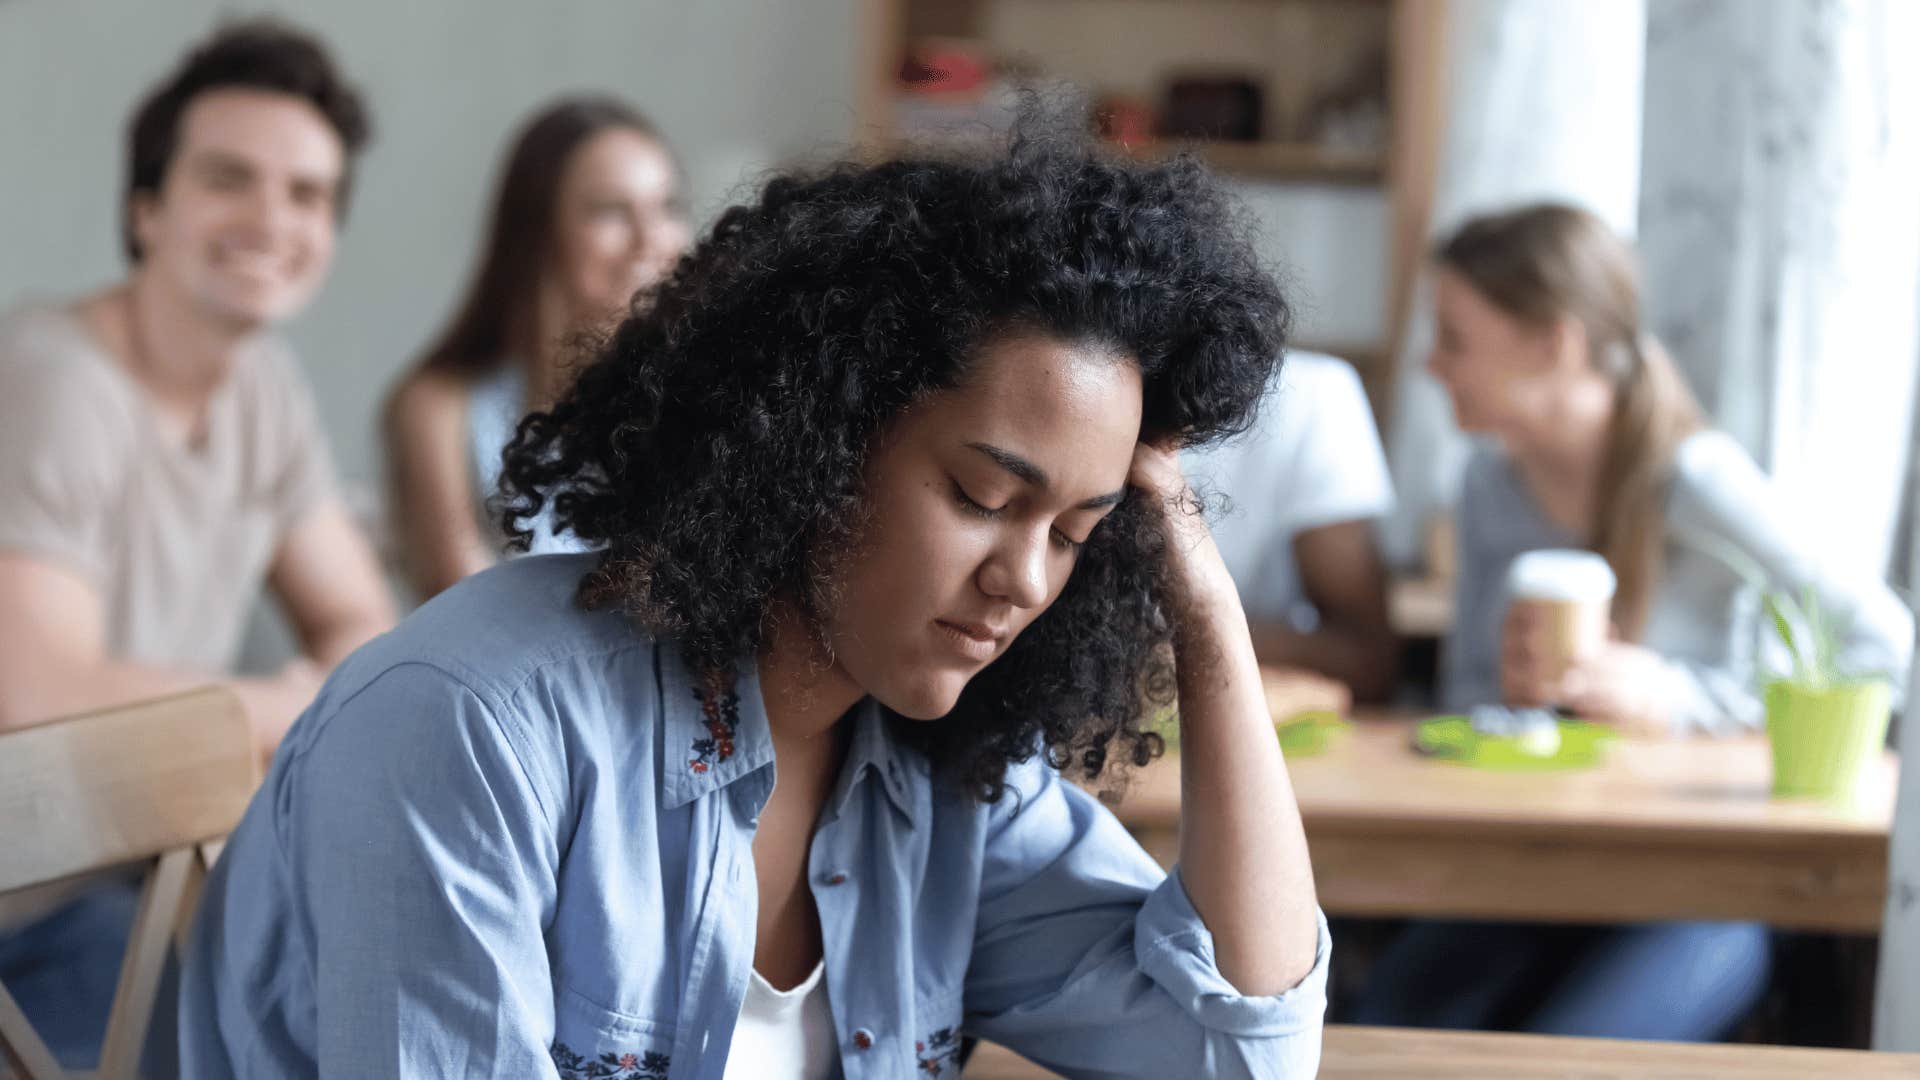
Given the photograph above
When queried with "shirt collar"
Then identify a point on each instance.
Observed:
(716, 732)
(873, 753)
(715, 729)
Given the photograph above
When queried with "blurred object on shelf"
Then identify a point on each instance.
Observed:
(1351, 114)
(945, 66)
(951, 89)
(1124, 119)
(1225, 108)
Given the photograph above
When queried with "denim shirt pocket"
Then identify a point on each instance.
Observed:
(592, 1042)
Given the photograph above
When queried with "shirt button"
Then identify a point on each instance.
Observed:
(837, 878)
(863, 1039)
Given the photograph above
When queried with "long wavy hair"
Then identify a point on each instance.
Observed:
(495, 318)
(1545, 262)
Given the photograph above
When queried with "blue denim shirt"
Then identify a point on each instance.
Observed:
(514, 839)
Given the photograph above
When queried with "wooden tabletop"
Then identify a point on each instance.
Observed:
(1352, 1053)
(1663, 829)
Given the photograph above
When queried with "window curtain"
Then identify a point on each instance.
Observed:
(1780, 231)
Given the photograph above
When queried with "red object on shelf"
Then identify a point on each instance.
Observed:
(944, 67)
(1125, 120)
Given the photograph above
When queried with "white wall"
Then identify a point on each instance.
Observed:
(737, 85)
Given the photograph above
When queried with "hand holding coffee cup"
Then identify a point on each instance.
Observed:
(1558, 619)
(1558, 649)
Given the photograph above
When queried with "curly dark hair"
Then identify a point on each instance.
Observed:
(715, 445)
(250, 54)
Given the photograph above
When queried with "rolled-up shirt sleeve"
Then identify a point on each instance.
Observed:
(1093, 962)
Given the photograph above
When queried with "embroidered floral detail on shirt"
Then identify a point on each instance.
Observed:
(608, 1066)
(937, 1051)
(721, 708)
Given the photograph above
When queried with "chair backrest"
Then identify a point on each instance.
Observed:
(159, 783)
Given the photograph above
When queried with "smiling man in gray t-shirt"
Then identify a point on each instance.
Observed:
(159, 455)
(160, 459)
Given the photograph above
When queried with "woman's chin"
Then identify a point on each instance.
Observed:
(928, 698)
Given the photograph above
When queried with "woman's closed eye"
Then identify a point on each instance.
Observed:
(978, 509)
(974, 506)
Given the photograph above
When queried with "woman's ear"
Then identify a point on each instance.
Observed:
(1568, 345)
(142, 208)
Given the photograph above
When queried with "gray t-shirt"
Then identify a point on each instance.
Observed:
(176, 539)
(1704, 619)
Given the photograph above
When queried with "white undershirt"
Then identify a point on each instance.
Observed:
(784, 1034)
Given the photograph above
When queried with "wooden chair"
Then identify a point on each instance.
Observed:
(156, 783)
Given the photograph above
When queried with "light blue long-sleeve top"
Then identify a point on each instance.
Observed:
(496, 403)
(1705, 619)
(514, 839)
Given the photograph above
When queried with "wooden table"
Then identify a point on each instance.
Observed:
(1662, 830)
(1356, 1052)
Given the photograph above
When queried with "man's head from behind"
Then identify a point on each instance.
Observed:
(238, 171)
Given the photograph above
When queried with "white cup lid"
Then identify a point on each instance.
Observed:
(1562, 574)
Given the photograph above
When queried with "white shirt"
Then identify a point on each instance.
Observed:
(784, 1034)
(1312, 459)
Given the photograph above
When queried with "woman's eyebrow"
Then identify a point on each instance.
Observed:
(1037, 477)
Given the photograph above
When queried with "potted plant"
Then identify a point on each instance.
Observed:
(1826, 725)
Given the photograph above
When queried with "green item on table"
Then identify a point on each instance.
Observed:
(1301, 735)
(1453, 738)
(1824, 738)
(1309, 733)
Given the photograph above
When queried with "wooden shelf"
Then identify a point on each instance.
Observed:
(1278, 160)
(1298, 51)
(1275, 161)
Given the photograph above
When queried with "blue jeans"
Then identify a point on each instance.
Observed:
(64, 967)
(1682, 981)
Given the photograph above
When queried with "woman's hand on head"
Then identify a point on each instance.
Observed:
(1192, 558)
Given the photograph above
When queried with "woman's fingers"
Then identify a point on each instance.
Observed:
(1156, 470)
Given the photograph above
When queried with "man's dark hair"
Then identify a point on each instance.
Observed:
(257, 54)
(715, 450)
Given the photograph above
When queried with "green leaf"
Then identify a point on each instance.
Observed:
(1777, 605)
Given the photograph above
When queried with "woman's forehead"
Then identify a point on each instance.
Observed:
(1067, 408)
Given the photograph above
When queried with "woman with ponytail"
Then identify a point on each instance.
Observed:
(1598, 444)
(1595, 442)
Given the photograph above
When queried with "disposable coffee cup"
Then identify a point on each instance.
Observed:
(1571, 593)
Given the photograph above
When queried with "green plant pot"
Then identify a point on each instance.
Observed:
(1825, 737)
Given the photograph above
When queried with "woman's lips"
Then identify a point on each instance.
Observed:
(972, 640)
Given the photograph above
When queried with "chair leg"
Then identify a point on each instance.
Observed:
(190, 903)
(20, 1045)
(153, 932)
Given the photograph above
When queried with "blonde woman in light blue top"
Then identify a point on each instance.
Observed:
(1601, 446)
(588, 215)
